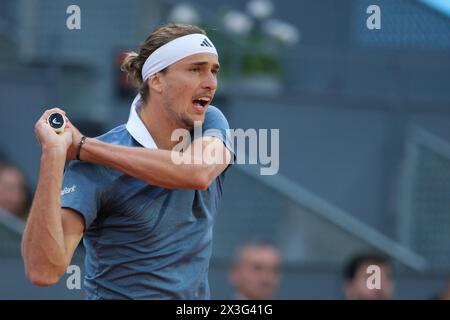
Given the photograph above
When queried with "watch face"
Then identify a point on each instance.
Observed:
(56, 120)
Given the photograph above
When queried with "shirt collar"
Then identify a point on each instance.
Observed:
(137, 129)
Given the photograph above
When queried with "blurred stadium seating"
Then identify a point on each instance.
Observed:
(364, 135)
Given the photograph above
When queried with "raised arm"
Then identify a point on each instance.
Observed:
(51, 234)
(157, 166)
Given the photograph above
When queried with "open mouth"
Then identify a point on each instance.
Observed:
(201, 102)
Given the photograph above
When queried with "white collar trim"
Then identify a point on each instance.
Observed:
(137, 129)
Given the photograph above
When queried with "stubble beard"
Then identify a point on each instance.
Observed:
(181, 119)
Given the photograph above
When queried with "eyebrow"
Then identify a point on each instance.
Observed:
(202, 63)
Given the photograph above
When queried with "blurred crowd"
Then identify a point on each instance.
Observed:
(256, 272)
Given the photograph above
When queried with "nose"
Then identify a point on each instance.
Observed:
(210, 82)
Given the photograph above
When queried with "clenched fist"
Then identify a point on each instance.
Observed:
(65, 142)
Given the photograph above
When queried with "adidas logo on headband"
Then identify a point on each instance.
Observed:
(206, 43)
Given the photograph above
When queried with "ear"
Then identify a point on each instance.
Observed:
(155, 82)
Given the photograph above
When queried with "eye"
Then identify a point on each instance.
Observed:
(195, 70)
(215, 72)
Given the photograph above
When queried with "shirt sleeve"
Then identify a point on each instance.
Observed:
(216, 125)
(81, 190)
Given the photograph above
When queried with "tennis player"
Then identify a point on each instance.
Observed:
(147, 222)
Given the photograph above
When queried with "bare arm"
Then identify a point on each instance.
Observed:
(157, 166)
(51, 234)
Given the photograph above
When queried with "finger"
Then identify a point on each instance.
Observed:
(68, 123)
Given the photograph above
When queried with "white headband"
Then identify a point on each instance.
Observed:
(176, 50)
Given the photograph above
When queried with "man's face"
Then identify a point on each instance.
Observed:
(188, 87)
(357, 288)
(257, 274)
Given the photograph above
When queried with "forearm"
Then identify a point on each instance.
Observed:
(43, 241)
(151, 165)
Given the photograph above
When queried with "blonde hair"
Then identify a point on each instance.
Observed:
(134, 62)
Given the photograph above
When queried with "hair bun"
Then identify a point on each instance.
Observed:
(130, 66)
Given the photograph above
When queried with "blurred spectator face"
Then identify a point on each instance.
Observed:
(12, 191)
(256, 273)
(357, 288)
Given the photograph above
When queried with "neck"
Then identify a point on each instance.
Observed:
(159, 124)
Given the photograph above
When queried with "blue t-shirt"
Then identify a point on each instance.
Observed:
(143, 241)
